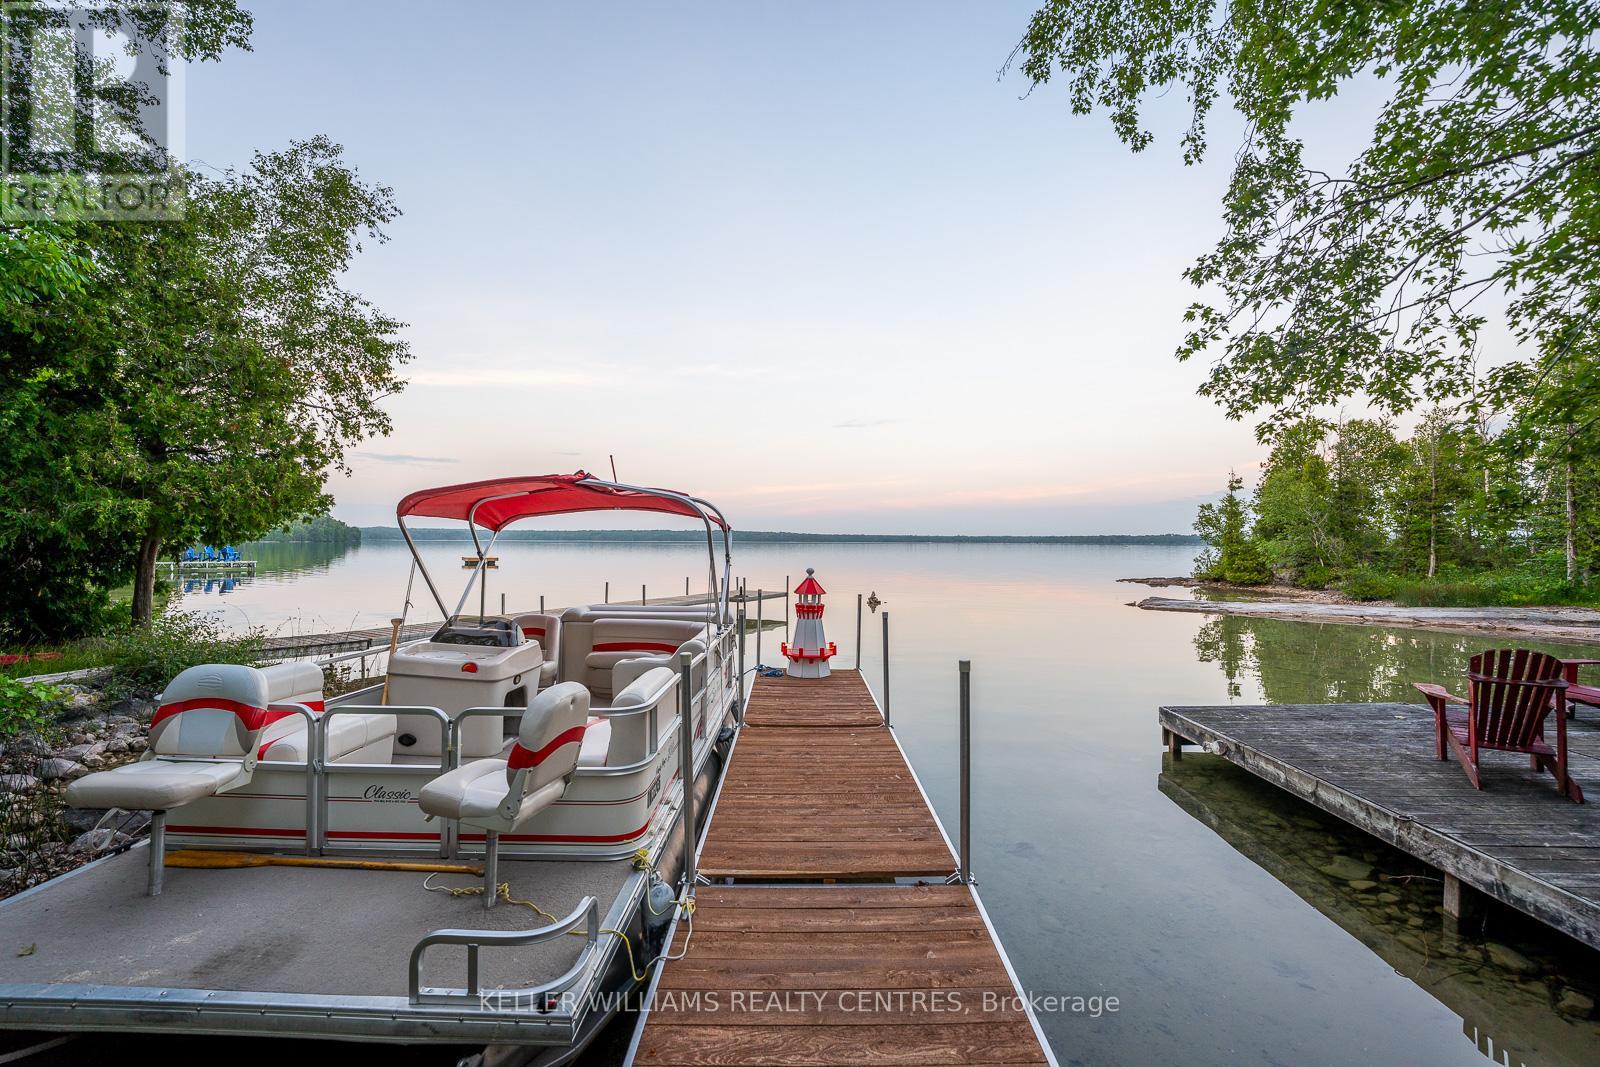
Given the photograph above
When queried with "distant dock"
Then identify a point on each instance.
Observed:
(1517, 840)
(206, 567)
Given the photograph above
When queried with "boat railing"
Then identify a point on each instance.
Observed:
(317, 833)
(313, 752)
(587, 914)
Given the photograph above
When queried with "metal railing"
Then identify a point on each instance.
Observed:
(318, 838)
(586, 913)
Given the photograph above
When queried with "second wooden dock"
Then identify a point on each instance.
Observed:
(833, 937)
(1517, 840)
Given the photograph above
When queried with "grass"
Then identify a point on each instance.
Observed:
(143, 660)
(1539, 581)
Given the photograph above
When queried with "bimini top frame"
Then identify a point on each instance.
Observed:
(498, 502)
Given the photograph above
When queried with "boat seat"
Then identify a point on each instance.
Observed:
(156, 785)
(203, 741)
(626, 740)
(617, 640)
(502, 795)
(354, 738)
(545, 629)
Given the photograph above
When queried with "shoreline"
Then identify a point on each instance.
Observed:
(1544, 623)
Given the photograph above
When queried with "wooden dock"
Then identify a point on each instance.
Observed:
(833, 938)
(1373, 765)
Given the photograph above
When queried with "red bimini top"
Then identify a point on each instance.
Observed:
(499, 502)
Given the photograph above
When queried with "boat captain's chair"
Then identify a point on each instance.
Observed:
(503, 795)
(545, 629)
(204, 740)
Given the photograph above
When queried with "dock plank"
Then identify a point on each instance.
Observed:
(1373, 765)
(863, 969)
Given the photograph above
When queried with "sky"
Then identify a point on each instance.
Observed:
(817, 262)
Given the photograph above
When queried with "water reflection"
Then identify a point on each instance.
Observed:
(1518, 1005)
(275, 560)
(1329, 663)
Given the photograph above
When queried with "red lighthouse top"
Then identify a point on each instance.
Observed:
(809, 587)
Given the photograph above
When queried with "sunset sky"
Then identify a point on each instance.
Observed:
(816, 261)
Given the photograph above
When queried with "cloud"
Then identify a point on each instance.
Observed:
(861, 424)
(403, 457)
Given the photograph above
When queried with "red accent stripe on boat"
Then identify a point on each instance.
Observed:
(317, 707)
(634, 646)
(521, 757)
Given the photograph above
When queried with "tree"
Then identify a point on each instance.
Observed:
(1224, 526)
(228, 367)
(1482, 176)
(1433, 482)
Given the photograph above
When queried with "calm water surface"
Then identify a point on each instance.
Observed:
(1194, 894)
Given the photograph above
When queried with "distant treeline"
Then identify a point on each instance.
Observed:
(459, 533)
(324, 529)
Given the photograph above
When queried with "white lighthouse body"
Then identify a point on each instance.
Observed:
(808, 656)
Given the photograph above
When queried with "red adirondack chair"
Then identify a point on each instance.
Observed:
(1510, 693)
(1577, 693)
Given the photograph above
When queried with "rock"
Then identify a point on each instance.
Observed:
(1576, 1004)
(1389, 898)
(100, 840)
(18, 783)
(29, 745)
(137, 744)
(81, 751)
(82, 820)
(1362, 885)
(1510, 959)
(52, 769)
(117, 744)
(1347, 869)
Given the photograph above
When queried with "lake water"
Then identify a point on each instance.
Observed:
(1190, 892)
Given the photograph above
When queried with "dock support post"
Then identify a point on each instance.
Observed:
(1173, 742)
(738, 703)
(643, 596)
(965, 870)
(541, 603)
(886, 668)
(760, 601)
(858, 631)
(502, 603)
(1459, 902)
(686, 764)
(786, 607)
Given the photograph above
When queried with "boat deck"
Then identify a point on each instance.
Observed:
(864, 963)
(220, 929)
(1373, 765)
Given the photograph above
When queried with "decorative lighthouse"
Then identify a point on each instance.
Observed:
(809, 655)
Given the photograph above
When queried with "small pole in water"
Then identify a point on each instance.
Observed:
(759, 603)
(686, 587)
(886, 668)
(738, 704)
(965, 667)
(858, 631)
(786, 607)
(541, 603)
(502, 603)
(642, 598)
(608, 592)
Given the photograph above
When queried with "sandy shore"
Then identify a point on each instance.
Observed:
(1552, 624)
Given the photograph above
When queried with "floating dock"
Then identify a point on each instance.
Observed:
(832, 937)
(1517, 840)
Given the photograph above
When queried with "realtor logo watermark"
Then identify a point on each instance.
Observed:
(91, 112)
(842, 1003)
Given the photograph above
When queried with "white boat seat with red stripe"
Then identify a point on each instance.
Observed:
(502, 795)
(351, 738)
(609, 743)
(545, 629)
(618, 640)
(203, 741)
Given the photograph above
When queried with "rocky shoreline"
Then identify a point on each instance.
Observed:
(1542, 623)
(42, 837)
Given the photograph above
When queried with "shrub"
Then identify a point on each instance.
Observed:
(144, 659)
(25, 706)
(1368, 585)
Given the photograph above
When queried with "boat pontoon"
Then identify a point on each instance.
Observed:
(558, 750)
